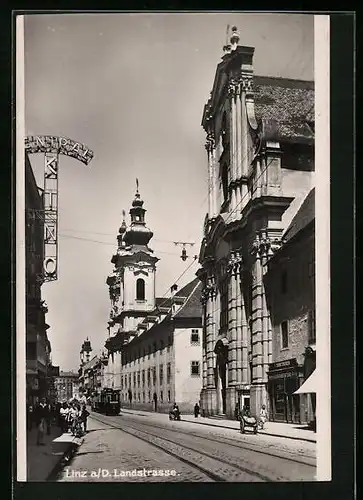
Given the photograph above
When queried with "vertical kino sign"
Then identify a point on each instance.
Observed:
(52, 146)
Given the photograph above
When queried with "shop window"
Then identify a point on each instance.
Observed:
(311, 327)
(195, 368)
(284, 335)
(194, 337)
(140, 289)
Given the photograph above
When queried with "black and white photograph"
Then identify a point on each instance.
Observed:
(172, 200)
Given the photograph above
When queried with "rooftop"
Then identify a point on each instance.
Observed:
(304, 216)
(289, 102)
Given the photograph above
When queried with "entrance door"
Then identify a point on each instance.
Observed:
(245, 402)
(280, 410)
(221, 388)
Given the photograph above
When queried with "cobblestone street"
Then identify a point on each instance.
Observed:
(138, 447)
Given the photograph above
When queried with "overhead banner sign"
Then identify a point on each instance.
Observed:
(52, 146)
(58, 145)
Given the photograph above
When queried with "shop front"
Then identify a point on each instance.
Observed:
(284, 378)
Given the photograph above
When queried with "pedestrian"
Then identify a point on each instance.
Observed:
(30, 417)
(196, 410)
(263, 416)
(64, 411)
(48, 417)
(41, 415)
(84, 416)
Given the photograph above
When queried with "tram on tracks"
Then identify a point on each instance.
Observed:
(107, 402)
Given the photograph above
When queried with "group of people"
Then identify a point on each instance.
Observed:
(73, 417)
(70, 417)
(262, 419)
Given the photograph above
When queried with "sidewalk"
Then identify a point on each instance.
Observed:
(42, 460)
(291, 431)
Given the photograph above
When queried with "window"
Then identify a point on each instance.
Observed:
(134, 379)
(311, 327)
(138, 379)
(284, 282)
(148, 352)
(161, 374)
(284, 335)
(154, 375)
(169, 396)
(161, 396)
(168, 373)
(143, 377)
(194, 337)
(195, 368)
(140, 289)
(150, 396)
(148, 377)
(154, 349)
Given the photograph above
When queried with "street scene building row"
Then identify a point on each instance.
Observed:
(243, 331)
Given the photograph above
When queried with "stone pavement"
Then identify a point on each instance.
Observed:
(291, 431)
(42, 460)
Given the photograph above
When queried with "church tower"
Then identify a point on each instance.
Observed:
(132, 283)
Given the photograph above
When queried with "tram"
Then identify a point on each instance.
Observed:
(107, 401)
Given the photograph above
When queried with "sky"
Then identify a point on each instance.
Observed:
(132, 87)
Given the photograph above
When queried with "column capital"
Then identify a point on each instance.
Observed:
(246, 82)
(235, 263)
(264, 245)
(210, 143)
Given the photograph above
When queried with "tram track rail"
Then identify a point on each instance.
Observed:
(179, 449)
(285, 454)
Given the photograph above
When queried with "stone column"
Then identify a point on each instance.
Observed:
(242, 328)
(232, 322)
(210, 391)
(204, 345)
(210, 147)
(257, 383)
(233, 99)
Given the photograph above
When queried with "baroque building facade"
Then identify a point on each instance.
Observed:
(260, 149)
(154, 343)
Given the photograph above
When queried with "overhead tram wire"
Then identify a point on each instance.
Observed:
(105, 242)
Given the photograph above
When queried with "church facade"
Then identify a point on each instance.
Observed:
(155, 343)
(260, 150)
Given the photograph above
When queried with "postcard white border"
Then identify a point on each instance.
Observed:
(20, 256)
(322, 243)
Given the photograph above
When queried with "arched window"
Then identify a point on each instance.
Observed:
(140, 289)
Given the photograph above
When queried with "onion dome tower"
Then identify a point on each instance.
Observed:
(137, 233)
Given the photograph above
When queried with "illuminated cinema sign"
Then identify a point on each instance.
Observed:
(53, 146)
(58, 145)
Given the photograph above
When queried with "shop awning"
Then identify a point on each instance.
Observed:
(309, 386)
